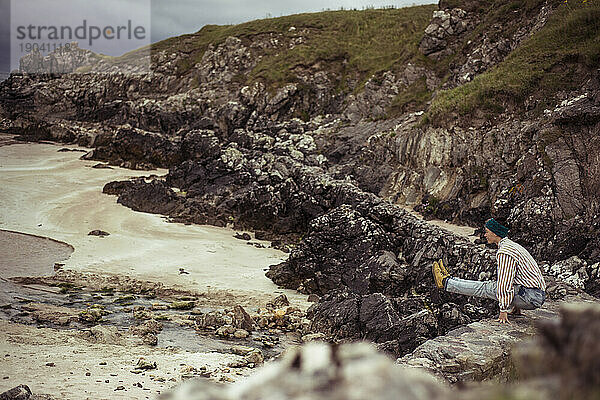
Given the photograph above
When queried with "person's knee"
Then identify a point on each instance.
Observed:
(534, 297)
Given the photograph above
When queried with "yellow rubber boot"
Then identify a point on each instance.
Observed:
(438, 276)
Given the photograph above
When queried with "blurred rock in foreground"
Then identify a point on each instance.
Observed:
(320, 371)
(566, 352)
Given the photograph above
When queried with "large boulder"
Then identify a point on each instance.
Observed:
(139, 195)
(444, 31)
(333, 253)
(397, 327)
(138, 149)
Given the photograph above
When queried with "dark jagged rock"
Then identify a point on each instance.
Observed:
(397, 324)
(375, 246)
(21, 392)
(99, 233)
(443, 33)
(344, 315)
(248, 186)
(242, 236)
(241, 319)
(117, 187)
(137, 149)
(278, 302)
(139, 195)
(200, 144)
(101, 166)
(336, 244)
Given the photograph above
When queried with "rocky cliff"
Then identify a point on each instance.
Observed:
(427, 126)
(318, 128)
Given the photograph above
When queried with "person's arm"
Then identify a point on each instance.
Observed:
(507, 267)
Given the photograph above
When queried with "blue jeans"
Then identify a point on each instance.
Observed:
(525, 298)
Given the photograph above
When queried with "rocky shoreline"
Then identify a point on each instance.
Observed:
(369, 260)
(152, 324)
(537, 369)
(93, 327)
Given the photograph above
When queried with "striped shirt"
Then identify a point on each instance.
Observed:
(515, 267)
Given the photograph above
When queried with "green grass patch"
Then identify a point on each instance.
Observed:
(542, 65)
(84, 69)
(354, 44)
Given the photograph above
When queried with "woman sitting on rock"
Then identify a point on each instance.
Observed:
(520, 285)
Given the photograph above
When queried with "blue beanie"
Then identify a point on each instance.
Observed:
(496, 227)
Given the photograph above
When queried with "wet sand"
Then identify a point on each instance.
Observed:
(29, 255)
(58, 362)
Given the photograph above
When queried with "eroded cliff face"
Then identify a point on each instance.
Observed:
(329, 170)
(540, 174)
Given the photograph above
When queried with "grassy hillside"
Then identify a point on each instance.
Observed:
(353, 43)
(555, 58)
(357, 44)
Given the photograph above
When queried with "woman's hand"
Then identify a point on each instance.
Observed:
(503, 318)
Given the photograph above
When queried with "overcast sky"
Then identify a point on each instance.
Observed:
(168, 17)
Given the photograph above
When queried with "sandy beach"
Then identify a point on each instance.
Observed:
(66, 366)
(55, 194)
(49, 202)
